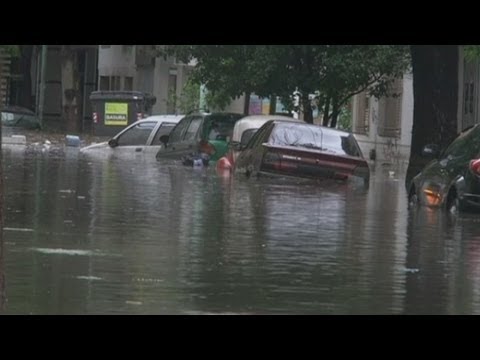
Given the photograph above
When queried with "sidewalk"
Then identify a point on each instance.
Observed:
(55, 138)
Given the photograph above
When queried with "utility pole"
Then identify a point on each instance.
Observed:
(41, 102)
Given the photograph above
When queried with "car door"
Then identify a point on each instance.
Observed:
(183, 138)
(133, 141)
(174, 138)
(249, 159)
(154, 143)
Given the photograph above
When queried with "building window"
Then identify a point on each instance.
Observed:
(104, 83)
(115, 83)
(128, 83)
(468, 95)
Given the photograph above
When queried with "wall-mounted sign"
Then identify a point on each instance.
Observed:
(116, 114)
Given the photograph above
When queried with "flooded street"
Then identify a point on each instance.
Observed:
(110, 236)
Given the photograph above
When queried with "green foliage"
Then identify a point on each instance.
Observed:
(335, 71)
(217, 100)
(472, 52)
(13, 50)
(189, 99)
(345, 119)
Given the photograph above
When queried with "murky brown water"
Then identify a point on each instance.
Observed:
(99, 236)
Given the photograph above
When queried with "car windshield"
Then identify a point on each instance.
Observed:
(461, 144)
(220, 126)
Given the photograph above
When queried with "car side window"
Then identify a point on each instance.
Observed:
(164, 129)
(192, 129)
(136, 135)
(247, 135)
(259, 137)
(177, 133)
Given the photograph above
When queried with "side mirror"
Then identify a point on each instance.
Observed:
(430, 150)
(164, 139)
(113, 143)
(237, 146)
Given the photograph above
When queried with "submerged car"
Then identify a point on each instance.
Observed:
(290, 148)
(452, 179)
(206, 133)
(244, 130)
(141, 137)
(20, 117)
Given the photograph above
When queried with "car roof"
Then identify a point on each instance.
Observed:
(167, 118)
(324, 128)
(17, 109)
(256, 122)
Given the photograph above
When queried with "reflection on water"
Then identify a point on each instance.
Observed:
(88, 236)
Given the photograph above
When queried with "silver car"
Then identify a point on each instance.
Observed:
(139, 138)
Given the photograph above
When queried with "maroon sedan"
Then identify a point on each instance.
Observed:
(302, 150)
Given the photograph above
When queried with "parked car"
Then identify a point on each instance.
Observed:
(142, 137)
(290, 148)
(205, 133)
(243, 131)
(20, 117)
(452, 179)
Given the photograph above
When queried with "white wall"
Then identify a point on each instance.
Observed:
(390, 150)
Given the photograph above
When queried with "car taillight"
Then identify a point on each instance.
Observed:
(273, 160)
(475, 167)
(206, 147)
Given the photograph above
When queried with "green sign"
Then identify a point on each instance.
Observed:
(116, 114)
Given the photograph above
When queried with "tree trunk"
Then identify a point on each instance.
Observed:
(307, 110)
(71, 103)
(326, 111)
(273, 105)
(435, 92)
(335, 112)
(246, 104)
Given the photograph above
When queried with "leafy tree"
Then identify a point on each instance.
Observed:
(336, 72)
(351, 69)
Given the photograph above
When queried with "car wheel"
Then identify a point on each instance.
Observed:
(453, 203)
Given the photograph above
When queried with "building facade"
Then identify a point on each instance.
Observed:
(137, 67)
(383, 127)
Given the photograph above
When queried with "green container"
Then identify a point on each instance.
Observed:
(114, 110)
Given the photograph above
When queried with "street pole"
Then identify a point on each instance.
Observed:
(41, 102)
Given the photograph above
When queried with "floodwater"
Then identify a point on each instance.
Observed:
(135, 236)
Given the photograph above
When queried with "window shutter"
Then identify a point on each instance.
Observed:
(362, 114)
(390, 111)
